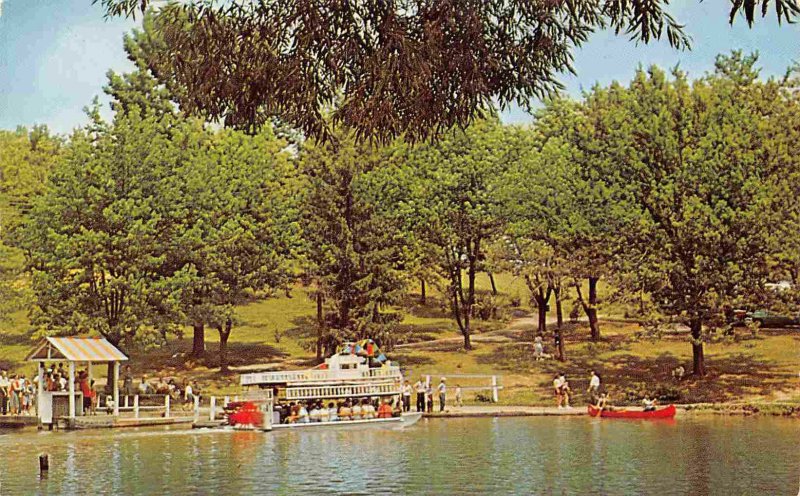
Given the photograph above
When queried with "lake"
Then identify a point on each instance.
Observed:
(532, 455)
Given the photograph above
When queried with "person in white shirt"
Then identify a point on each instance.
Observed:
(4, 383)
(324, 413)
(442, 388)
(557, 391)
(314, 414)
(594, 386)
(367, 410)
(419, 386)
(357, 410)
(302, 415)
(406, 397)
(333, 412)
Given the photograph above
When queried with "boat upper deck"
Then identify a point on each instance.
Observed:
(322, 376)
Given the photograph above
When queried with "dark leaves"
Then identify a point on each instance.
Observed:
(382, 68)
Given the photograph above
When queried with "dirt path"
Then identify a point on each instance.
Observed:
(516, 326)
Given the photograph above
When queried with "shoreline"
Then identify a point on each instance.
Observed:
(724, 409)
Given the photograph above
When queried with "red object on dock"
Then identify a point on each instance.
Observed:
(663, 413)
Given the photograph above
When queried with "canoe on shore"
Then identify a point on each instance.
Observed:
(661, 413)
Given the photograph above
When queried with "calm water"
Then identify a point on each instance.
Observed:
(549, 456)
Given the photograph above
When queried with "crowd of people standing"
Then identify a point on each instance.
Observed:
(17, 394)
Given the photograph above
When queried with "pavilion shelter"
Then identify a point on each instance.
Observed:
(73, 350)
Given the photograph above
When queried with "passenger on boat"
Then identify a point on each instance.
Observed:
(314, 413)
(302, 415)
(332, 412)
(294, 413)
(357, 410)
(385, 410)
(648, 404)
(367, 410)
(345, 412)
(397, 410)
(602, 402)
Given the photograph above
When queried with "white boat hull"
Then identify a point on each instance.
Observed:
(406, 420)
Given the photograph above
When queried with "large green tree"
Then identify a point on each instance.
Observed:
(455, 205)
(692, 158)
(394, 67)
(355, 248)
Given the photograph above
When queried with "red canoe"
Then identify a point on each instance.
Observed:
(663, 413)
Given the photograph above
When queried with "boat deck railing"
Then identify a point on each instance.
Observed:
(317, 375)
(341, 391)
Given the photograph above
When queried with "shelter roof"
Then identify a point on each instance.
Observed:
(75, 349)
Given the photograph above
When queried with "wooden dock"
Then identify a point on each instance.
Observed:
(18, 421)
(506, 411)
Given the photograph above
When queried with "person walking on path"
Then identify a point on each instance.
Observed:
(442, 393)
(420, 388)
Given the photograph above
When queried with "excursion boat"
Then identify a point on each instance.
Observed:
(356, 371)
(667, 412)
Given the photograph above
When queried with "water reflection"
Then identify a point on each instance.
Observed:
(467, 456)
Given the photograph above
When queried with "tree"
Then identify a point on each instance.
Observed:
(253, 225)
(26, 159)
(355, 249)
(95, 240)
(456, 179)
(412, 68)
(692, 160)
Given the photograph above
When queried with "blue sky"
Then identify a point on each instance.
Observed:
(54, 55)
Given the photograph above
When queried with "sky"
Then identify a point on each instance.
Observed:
(54, 55)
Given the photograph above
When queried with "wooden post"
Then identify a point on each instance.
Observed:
(196, 408)
(494, 389)
(40, 392)
(225, 401)
(166, 406)
(212, 414)
(72, 390)
(136, 406)
(116, 389)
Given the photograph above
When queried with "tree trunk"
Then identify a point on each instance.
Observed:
(320, 325)
(698, 359)
(591, 310)
(559, 342)
(494, 286)
(542, 298)
(109, 379)
(590, 306)
(422, 294)
(559, 309)
(224, 334)
(199, 340)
